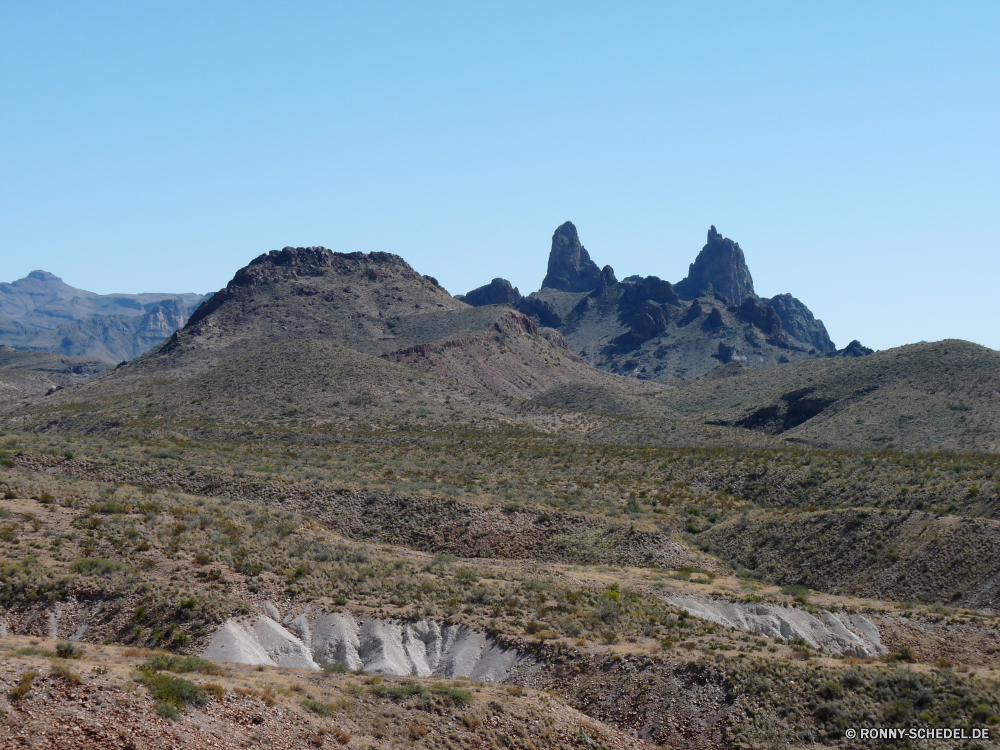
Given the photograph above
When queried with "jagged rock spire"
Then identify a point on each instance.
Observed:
(570, 267)
(719, 267)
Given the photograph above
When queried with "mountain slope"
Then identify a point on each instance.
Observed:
(25, 376)
(42, 312)
(310, 337)
(939, 396)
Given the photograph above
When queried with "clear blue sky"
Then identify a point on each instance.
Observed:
(851, 148)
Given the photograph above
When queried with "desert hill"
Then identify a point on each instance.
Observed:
(375, 304)
(304, 335)
(649, 328)
(308, 336)
(42, 312)
(939, 396)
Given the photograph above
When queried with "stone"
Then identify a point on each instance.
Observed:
(648, 320)
(725, 353)
(714, 320)
(606, 280)
(541, 311)
(650, 288)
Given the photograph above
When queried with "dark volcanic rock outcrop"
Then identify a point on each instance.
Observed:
(719, 267)
(798, 321)
(762, 316)
(649, 288)
(570, 267)
(497, 292)
(646, 327)
(854, 349)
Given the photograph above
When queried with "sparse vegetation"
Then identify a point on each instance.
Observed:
(560, 516)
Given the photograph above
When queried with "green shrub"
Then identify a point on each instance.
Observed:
(829, 711)
(398, 692)
(830, 689)
(166, 710)
(23, 687)
(175, 691)
(903, 653)
(459, 698)
(983, 714)
(61, 670)
(795, 590)
(898, 711)
(9, 532)
(338, 667)
(320, 709)
(852, 679)
(66, 650)
(182, 664)
(453, 695)
(95, 566)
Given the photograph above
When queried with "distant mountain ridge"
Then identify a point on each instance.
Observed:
(648, 328)
(41, 312)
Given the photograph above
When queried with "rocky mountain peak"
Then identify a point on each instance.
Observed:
(43, 276)
(720, 267)
(570, 267)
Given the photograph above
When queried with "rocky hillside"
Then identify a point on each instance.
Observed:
(651, 329)
(42, 312)
(308, 335)
(378, 305)
(28, 375)
(939, 396)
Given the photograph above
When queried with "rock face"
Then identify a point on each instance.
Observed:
(798, 321)
(762, 316)
(840, 633)
(308, 640)
(570, 267)
(719, 267)
(497, 292)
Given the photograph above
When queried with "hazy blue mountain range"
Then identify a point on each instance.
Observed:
(42, 312)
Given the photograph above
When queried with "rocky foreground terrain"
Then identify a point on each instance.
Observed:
(341, 508)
